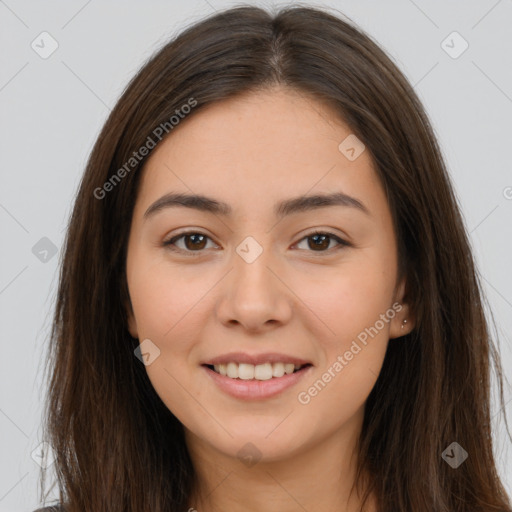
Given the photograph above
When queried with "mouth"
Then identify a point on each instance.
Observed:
(259, 372)
(248, 382)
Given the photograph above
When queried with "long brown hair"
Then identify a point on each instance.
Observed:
(117, 447)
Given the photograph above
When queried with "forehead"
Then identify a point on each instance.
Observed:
(259, 148)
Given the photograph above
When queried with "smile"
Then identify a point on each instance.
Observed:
(256, 382)
(263, 371)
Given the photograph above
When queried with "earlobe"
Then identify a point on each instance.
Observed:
(401, 324)
(403, 321)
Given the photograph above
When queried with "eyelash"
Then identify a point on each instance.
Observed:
(169, 244)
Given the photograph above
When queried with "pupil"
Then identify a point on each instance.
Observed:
(195, 244)
(323, 244)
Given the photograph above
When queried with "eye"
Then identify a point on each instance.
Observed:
(195, 241)
(321, 241)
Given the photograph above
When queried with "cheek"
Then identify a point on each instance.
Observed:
(166, 305)
(163, 298)
(170, 306)
(351, 358)
(350, 302)
(351, 298)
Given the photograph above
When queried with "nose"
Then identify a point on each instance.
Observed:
(254, 295)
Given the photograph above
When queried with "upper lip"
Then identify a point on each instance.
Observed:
(255, 359)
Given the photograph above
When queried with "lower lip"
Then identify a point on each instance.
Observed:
(256, 389)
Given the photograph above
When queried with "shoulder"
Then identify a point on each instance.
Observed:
(54, 508)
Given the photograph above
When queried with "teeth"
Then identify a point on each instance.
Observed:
(264, 371)
(277, 370)
(245, 371)
(289, 367)
(232, 370)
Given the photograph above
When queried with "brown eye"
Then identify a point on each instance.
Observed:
(196, 241)
(320, 241)
(193, 242)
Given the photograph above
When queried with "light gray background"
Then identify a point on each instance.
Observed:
(53, 109)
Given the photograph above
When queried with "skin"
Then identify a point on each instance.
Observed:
(252, 152)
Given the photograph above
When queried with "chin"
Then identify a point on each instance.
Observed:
(251, 445)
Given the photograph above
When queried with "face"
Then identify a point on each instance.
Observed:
(267, 277)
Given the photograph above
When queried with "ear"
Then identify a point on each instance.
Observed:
(404, 320)
(132, 324)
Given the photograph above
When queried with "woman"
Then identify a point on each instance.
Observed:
(268, 299)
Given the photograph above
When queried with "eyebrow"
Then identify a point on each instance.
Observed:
(281, 209)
